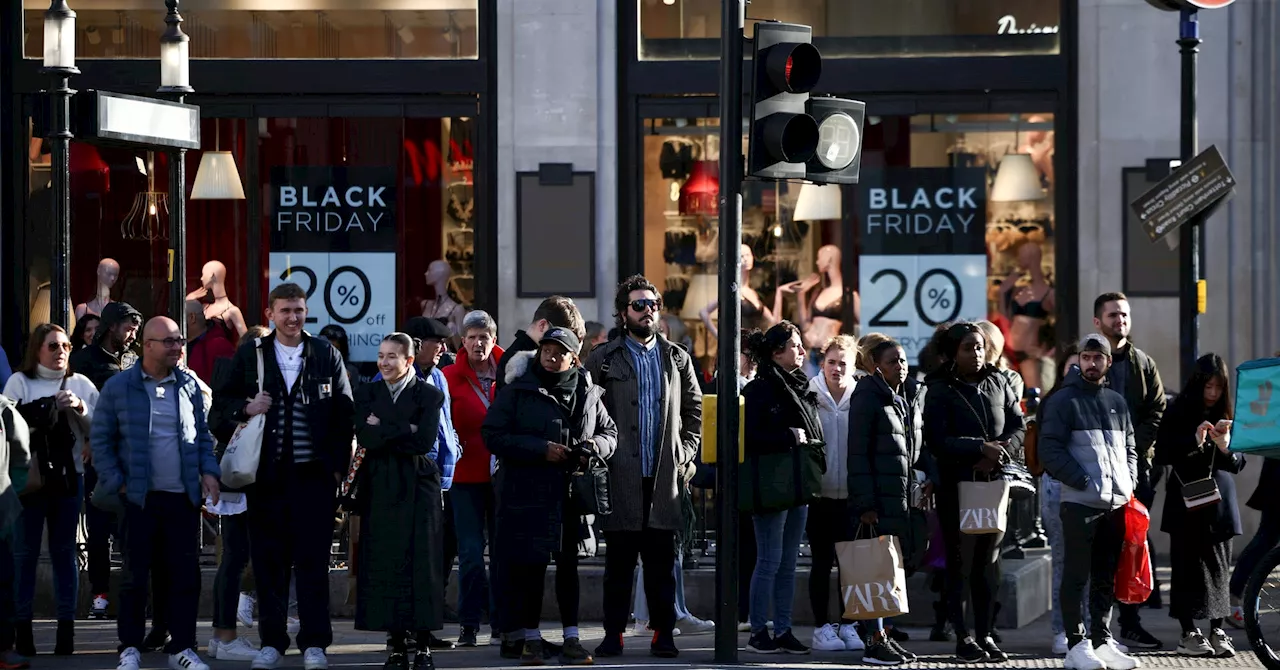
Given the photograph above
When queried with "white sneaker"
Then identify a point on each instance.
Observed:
(852, 640)
(99, 609)
(244, 612)
(186, 660)
(1082, 657)
(1060, 644)
(1115, 659)
(641, 629)
(826, 639)
(293, 625)
(267, 659)
(744, 627)
(238, 649)
(314, 659)
(1222, 645)
(1194, 644)
(1236, 620)
(130, 659)
(695, 626)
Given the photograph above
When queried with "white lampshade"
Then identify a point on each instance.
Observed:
(818, 203)
(703, 289)
(60, 38)
(175, 65)
(217, 178)
(1017, 180)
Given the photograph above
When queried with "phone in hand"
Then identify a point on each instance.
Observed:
(1223, 425)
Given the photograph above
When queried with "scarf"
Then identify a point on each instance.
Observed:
(562, 386)
(795, 387)
(399, 385)
(49, 373)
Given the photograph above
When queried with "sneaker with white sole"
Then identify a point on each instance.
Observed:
(1194, 644)
(1222, 645)
(267, 659)
(1111, 656)
(293, 625)
(641, 629)
(187, 659)
(1083, 657)
(314, 659)
(244, 610)
(695, 626)
(1060, 644)
(744, 627)
(238, 649)
(848, 634)
(130, 659)
(99, 609)
(495, 639)
(1236, 620)
(826, 639)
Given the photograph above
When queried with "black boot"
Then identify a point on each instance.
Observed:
(940, 632)
(24, 640)
(65, 645)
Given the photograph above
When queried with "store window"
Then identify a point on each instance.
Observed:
(323, 29)
(952, 219)
(690, 29)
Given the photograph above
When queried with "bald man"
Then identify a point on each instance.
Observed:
(154, 456)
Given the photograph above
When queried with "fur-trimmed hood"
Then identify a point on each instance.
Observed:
(518, 365)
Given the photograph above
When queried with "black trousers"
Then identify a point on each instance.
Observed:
(973, 563)
(100, 526)
(164, 532)
(231, 567)
(7, 588)
(291, 532)
(658, 548)
(828, 524)
(746, 559)
(450, 541)
(527, 580)
(1092, 539)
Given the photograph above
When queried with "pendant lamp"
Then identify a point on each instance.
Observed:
(1017, 180)
(217, 177)
(818, 203)
(701, 192)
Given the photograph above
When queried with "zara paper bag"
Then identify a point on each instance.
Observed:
(240, 460)
(984, 507)
(873, 582)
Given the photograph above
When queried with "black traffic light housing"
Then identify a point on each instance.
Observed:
(785, 67)
(837, 155)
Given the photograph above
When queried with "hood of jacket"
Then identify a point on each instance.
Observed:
(520, 375)
(115, 313)
(833, 413)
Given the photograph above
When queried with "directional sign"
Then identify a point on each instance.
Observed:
(1200, 184)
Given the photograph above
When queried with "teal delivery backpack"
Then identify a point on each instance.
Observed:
(1256, 429)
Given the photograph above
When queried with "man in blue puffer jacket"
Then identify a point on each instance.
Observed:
(154, 455)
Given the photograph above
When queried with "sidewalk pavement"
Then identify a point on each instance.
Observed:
(1028, 646)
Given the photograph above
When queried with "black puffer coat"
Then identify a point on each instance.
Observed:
(522, 421)
(959, 417)
(885, 445)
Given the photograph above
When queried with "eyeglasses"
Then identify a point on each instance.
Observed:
(170, 342)
(56, 346)
(644, 304)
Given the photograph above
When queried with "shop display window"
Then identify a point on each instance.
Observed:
(347, 29)
(953, 218)
(690, 29)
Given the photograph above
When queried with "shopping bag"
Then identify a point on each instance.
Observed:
(984, 507)
(873, 580)
(244, 450)
(1256, 429)
(1134, 580)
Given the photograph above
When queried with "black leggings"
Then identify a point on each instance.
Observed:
(828, 524)
(973, 563)
(526, 582)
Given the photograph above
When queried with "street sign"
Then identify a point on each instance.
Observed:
(129, 120)
(1202, 183)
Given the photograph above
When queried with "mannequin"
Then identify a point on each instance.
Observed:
(218, 309)
(108, 273)
(443, 307)
(1028, 308)
(1039, 143)
(819, 317)
(754, 312)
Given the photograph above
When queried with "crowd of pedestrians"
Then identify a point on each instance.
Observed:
(520, 455)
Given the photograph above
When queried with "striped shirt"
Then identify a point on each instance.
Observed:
(647, 360)
(292, 425)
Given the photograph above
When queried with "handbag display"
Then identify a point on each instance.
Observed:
(244, 449)
(589, 485)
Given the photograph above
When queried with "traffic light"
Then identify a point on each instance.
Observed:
(786, 66)
(838, 154)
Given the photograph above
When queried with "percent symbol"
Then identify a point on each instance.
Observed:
(347, 295)
(939, 298)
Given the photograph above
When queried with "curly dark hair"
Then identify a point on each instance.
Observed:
(947, 338)
(623, 296)
(762, 346)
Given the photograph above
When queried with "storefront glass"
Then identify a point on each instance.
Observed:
(690, 29)
(347, 29)
(951, 216)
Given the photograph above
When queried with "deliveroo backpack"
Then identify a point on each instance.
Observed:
(1256, 429)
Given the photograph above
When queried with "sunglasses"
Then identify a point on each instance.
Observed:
(56, 346)
(170, 342)
(645, 304)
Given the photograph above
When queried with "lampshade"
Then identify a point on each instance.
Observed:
(217, 178)
(701, 192)
(1017, 180)
(818, 203)
(703, 288)
(60, 38)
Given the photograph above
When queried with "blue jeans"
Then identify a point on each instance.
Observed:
(1050, 506)
(774, 580)
(62, 516)
(642, 602)
(473, 518)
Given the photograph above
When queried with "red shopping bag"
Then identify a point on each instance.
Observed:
(1134, 580)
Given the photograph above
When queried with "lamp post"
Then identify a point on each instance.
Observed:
(175, 80)
(60, 63)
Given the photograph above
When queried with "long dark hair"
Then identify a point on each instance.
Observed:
(32, 357)
(1190, 402)
(77, 335)
(337, 336)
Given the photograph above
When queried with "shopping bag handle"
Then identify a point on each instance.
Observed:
(857, 534)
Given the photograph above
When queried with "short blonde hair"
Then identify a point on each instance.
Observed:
(995, 340)
(865, 345)
(841, 342)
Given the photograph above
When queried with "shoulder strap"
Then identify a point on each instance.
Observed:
(257, 348)
(479, 392)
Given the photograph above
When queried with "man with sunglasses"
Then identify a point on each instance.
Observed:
(152, 448)
(652, 394)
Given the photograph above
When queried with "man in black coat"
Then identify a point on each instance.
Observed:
(306, 450)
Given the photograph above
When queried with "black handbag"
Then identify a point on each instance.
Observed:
(589, 486)
(1022, 485)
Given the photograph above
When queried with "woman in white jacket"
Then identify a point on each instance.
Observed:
(57, 405)
(828, 521)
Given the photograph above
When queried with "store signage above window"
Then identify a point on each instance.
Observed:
(1008, 25)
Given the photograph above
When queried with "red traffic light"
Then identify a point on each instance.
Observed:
(786, 66)
(793, 68)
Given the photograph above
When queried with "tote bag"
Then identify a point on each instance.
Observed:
(1256, 429)
(984, 507)
(244, 451)
(873, 577)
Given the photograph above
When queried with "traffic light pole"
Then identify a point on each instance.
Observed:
(727, 567)
(1190, 251)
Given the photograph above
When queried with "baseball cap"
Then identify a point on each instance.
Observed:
(564, 337)
(1095, 342)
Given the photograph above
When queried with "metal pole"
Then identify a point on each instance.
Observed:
(1191, 262)
(178, 236)
(60, 150)
(730, 318)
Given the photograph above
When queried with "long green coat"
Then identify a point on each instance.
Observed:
(399, 561)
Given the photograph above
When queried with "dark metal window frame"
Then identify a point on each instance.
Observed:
(927, 85)
(1125, 199)
(520, 224)
(249, 89)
